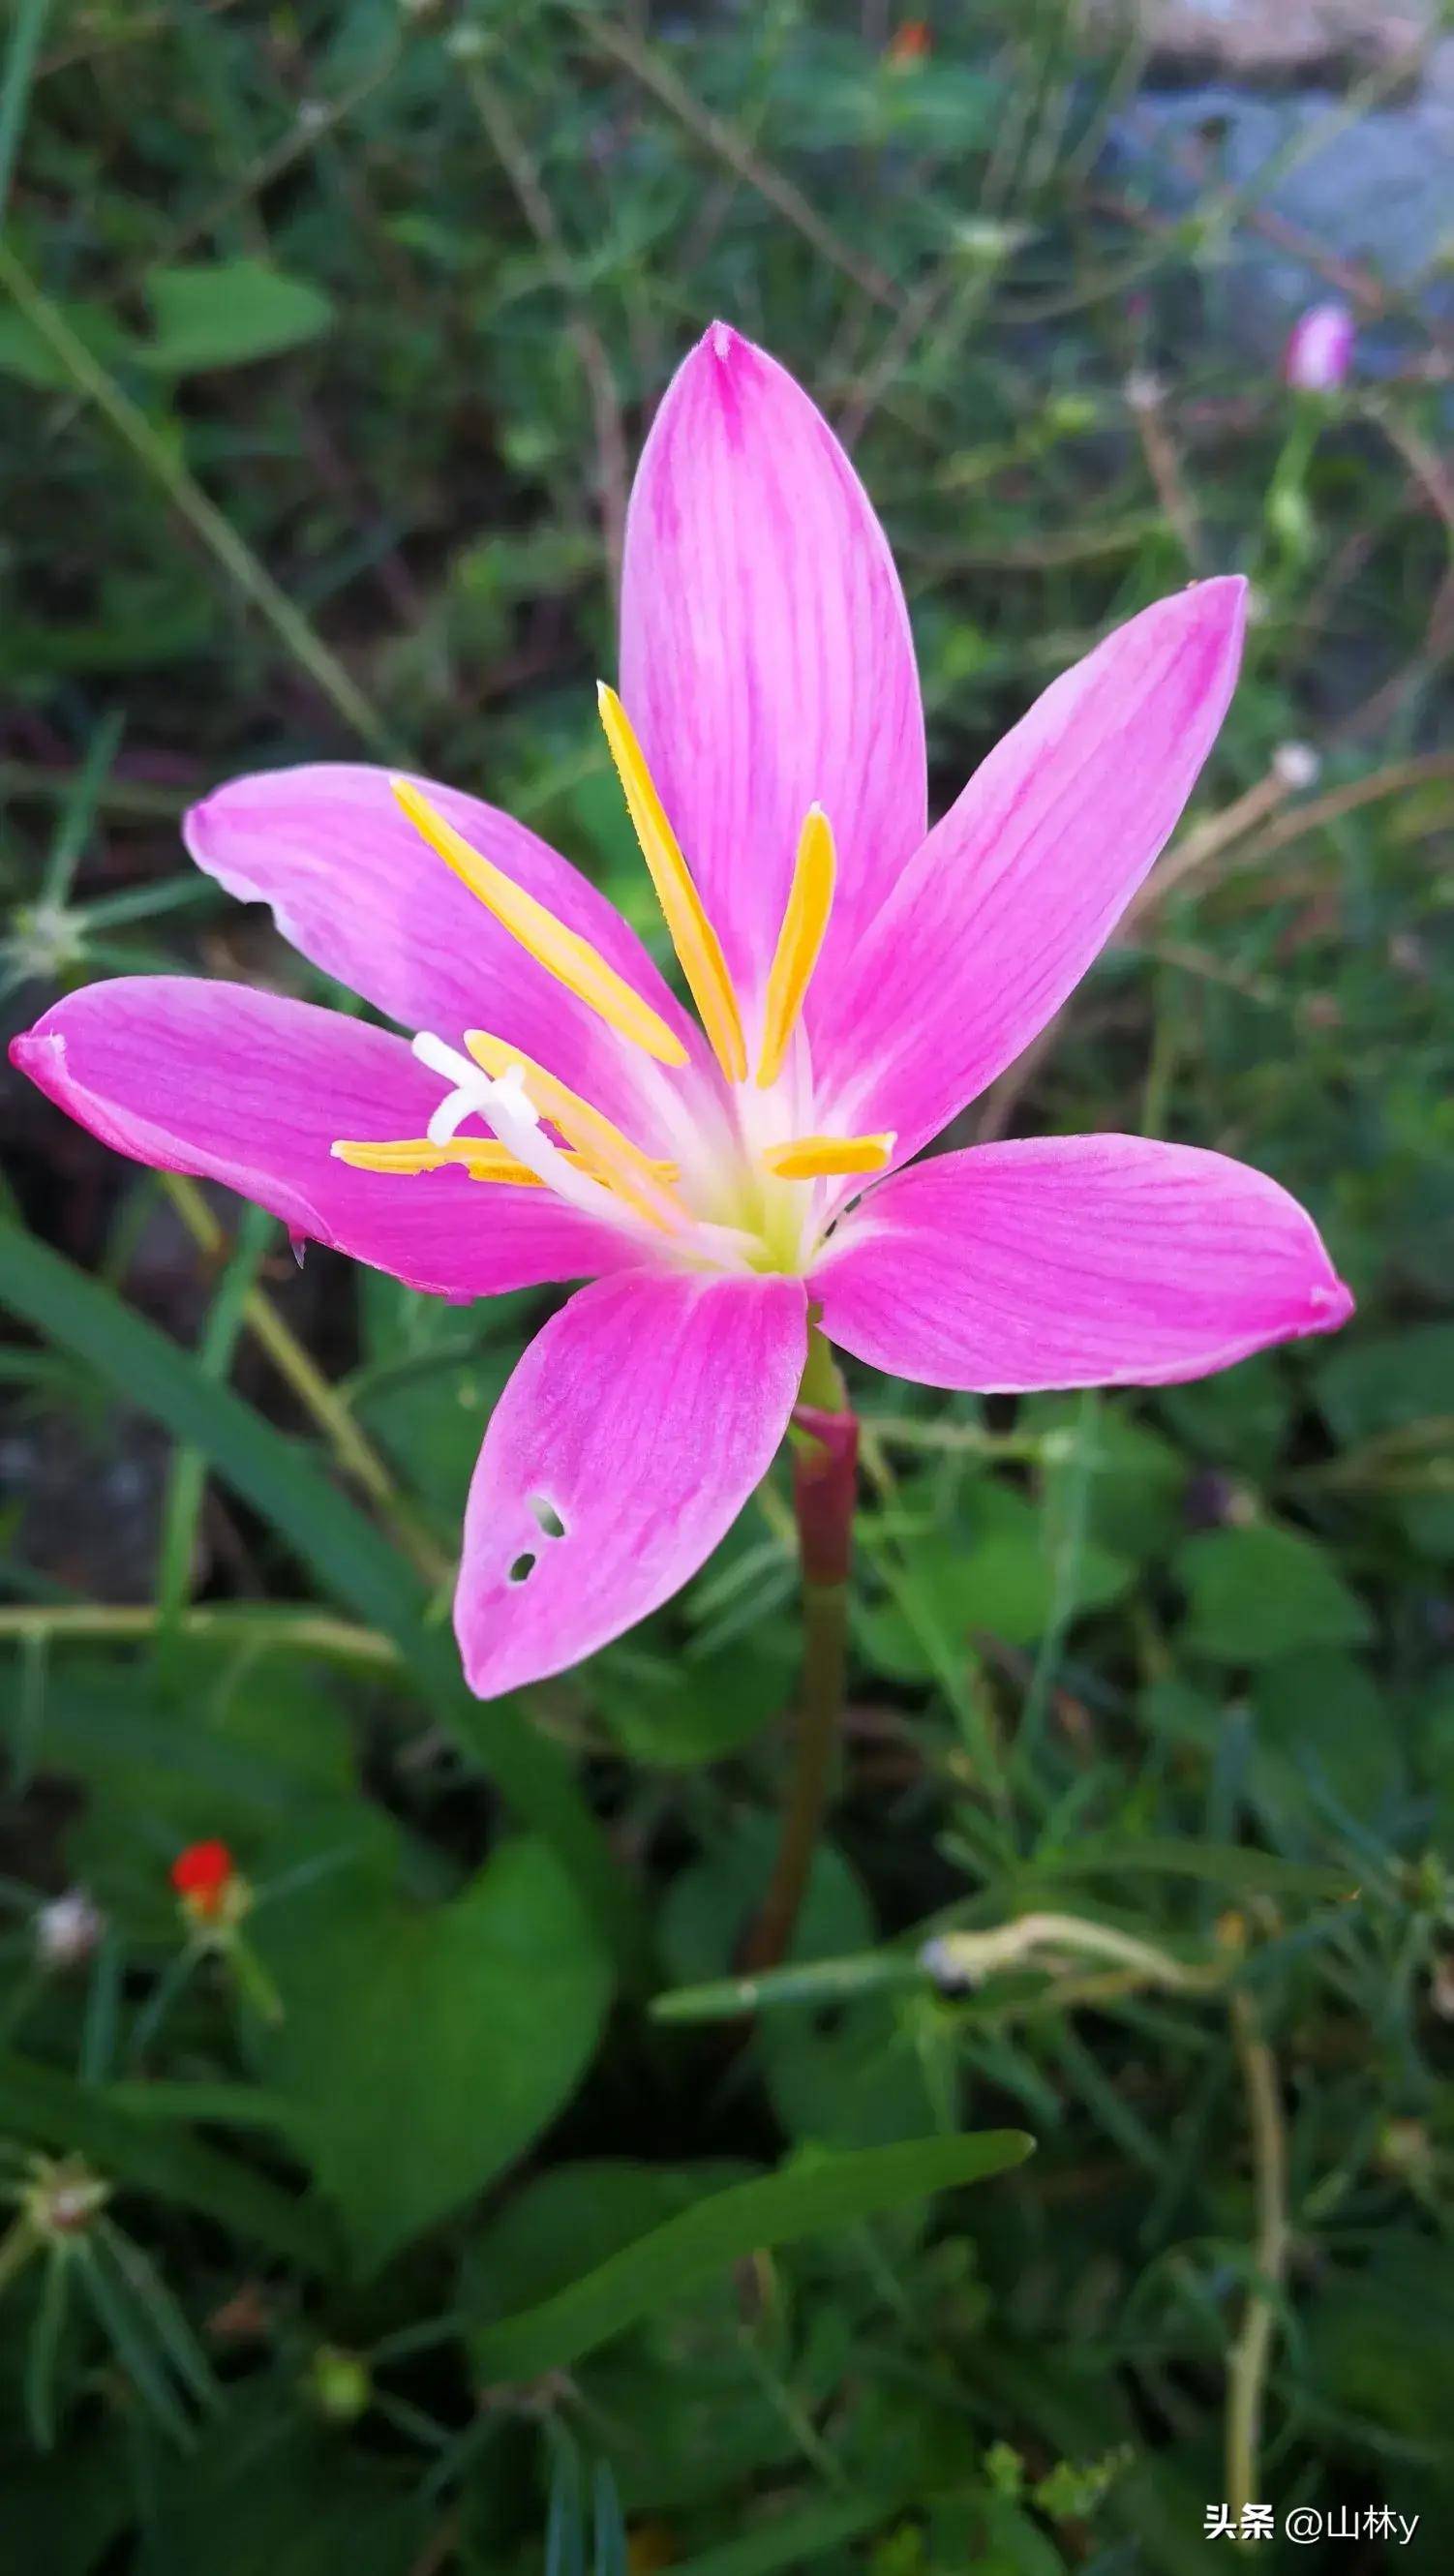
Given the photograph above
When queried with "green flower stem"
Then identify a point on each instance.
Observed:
(825, 1463)
(951, 1963)
(254, 1985)
(356, 1455)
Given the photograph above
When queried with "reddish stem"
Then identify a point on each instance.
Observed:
(825, 1465)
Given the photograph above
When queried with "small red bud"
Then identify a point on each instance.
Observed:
(910, 43)
(202, 1875)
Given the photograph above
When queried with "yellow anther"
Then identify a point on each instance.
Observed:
(561, 951)
(821, 1158)
(810, 900)
(602, 1147)
(692, 936)
(481, 1157)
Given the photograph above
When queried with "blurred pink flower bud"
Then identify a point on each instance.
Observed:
(1319, 349)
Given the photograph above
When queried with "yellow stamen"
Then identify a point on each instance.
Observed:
(598, 1140)
(820, 1158)
(479, 1155)
(562, 952)
(810, 900)
(482, 1159)
(692, 936)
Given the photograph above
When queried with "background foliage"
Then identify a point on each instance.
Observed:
(329, 334)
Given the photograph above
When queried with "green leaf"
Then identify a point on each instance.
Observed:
(815, 2194)
(330, 1534)
(40, 2103)
(1256, 1593)
(225, 313)
(573, 2217)
(1323, 1723)
(425, 2047)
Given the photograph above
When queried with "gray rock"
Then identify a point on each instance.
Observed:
(1378, 191)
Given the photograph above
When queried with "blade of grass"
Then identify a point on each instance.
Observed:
(115, 2307)
(20, 54)
(174, 2335)
(79, 811)
(41, 2351)
(187, 1481)
(820, 2193)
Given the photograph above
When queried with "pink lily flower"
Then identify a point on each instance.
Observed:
(1319, 351)
(558, 1115)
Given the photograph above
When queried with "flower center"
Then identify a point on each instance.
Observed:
(739, 1189)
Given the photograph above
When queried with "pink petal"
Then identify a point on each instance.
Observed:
(235, 1085)
(766, 658)
(1075, 1261)
(1320, 348)
(1016, 890)
(354, 888)
(642, 1417)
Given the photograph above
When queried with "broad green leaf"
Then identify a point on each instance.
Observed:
(225, 313)
(425, 2047)
(1256, 1593)
(40, 2103)
(817, 2194)
(329, 1533)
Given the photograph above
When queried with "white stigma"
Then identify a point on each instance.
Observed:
(513, 1118)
